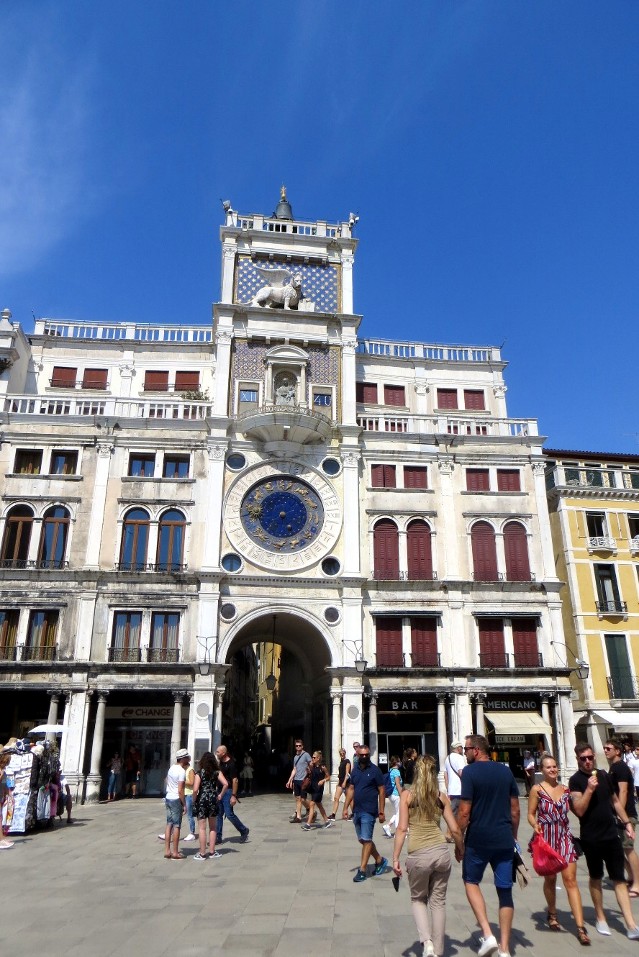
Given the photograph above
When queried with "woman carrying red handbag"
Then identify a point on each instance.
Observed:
(548, 806)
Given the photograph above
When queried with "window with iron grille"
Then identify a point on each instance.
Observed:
(9, 619)
(383, 476)
(165, 630)
(41, 635)
(125, 640)
(53, 537)
(135, 538)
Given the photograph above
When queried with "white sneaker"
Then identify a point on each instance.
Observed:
(602, 928)
(429, 950)
(386, 829)
(190, 837)
(503, 953)
(488, 946)
(160, 837)
(633, 933)
(215, 854)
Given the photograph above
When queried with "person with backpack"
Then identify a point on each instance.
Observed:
(394, 787)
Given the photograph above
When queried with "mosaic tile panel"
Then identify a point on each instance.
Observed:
(248, 362)
(319, 283)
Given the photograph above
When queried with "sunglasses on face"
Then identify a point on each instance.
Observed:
(587, 757)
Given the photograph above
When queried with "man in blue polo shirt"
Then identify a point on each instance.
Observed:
(488, 816)
(366, 788)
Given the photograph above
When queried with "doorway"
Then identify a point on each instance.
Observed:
(395, 742)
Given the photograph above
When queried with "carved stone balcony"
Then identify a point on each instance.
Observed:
(633, 544)
(601, 543)
(285, 423)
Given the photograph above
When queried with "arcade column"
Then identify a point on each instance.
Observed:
(94, 778)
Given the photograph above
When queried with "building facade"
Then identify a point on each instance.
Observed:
(177, 499)
(594, 512)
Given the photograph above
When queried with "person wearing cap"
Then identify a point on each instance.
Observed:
(175, 802)
(453, 767)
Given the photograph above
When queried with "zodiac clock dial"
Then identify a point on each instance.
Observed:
(282, 514)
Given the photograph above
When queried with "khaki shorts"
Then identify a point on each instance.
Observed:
(628, 842)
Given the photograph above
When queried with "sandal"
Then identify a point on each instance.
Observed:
(178, 857)
(553, 923)
(582, 937)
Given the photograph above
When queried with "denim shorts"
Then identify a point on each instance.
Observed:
(500, 859)
(174, 812)
(364, 824)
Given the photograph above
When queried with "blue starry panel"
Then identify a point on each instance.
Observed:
(319, 283)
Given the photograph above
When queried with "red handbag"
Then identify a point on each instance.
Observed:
(545, 859)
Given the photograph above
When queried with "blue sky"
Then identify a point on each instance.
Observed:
(490, 148)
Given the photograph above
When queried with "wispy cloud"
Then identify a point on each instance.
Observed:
(45, 186)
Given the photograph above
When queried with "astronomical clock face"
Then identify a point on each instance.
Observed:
(282, 516)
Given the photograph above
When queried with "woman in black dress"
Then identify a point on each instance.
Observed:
(319, 775)
(208, 787)
(343, 774)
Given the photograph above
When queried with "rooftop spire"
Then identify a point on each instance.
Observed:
(283, 209)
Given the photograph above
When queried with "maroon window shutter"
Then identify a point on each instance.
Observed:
(477, 480)
(389, 642)
(390, 479)
(187, 381)
(516, 549)
(366, 392)
(394, 395)
(484, 552)
(377, 476)
(474, 399)
(447, 399)
(95, 379)
(64, 377)
(415, 476)
(386, 550)
(156, 381)
(383, 476)
(508, 480)
(492, 652)
(525, 642)
(420, 556)
(424, 642)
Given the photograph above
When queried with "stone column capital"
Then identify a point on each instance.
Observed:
(178, 696)
(102, 696)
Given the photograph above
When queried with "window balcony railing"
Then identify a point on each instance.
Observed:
(391, 661)
(38, 653)
(612, 607)
(623, 686)
(528, 659)
(395, 575)
(633, 544)
(162, 655)
(601, 543)
(42, 563)
(496, 577)
(426, 660)
(493, 659)
(8, 652)
(413, 576)
(149, 567)
(125, 655)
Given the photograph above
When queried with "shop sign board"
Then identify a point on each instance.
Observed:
(512, 704)
(510, 739)
(140, 713)
(400, 704)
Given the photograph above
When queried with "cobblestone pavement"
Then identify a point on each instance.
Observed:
(103, 887)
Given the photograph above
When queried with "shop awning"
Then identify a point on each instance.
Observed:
(620, 719)
(517, 722)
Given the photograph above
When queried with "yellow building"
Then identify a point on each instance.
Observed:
(593, 502)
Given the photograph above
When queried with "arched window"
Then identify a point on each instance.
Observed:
(386, 550)
(516, 549)
(418, 546)
(135, 540)
(482, 538)
(170, 541)
(53, 539)
(17, 536)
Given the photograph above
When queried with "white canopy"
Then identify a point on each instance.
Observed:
(518, 722)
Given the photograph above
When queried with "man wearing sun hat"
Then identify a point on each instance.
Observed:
(175, 802)
(453, 767)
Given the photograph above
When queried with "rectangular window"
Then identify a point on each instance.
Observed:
(28, 462)
(41, 635)
(632, 479)
(508, 480)
(633, 524)
(492, 652)
(64, 377)
(142, 464)
(383, 476)
(423, 632)
(596, 524)
(474, 399)
(447, 399)
(175, 466)
(477, 480)
(389, 642)
(63, 463)
(156, 381)
(609, 600)
(125, 640)
(165, 629)
(366, 392)
(415, 476)
(8, 633)
(621, 683)
(322, 399)
(94, 379)
(394, 395)
(187, 381)
(525, 643)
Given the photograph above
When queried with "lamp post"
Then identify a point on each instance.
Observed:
(581, 669)
(357, 648)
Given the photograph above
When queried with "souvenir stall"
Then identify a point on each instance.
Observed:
(34, 773)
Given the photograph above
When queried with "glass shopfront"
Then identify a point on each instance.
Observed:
(405, 721)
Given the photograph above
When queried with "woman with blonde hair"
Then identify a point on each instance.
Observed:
(428, 865)
(319, 776)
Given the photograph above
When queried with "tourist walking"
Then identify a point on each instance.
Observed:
(548, 806)
(296, 780)
(209, 788)
(368, 794)
(488, 817)
(246, 777)
(453, 767)
(132, 763)
(188, 797)
(408, 764)
(597, 806)
(530, 766)
(319, 776)
(226, 805)
(343, 774)
(347, 812)
(175, 804)
(115, 769)
(396, 780)
(621, 772)
(428, 865)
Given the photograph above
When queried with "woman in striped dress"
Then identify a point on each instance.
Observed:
(548, 806)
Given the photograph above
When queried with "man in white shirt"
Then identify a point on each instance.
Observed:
(175, 802)
(453, 767)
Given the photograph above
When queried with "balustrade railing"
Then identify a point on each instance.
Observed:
(623, 686)
(612, 607)
(125, 655)
(162, 655)
(141, 332)
(180, 409)
(601, 543)
(445, 425)
(149, 567)
(38, 653)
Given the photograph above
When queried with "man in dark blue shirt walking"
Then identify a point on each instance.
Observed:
(366, 788)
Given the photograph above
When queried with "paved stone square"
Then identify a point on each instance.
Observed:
(102, 887)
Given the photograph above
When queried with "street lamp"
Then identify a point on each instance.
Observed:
(204, 664)
(357, 647)
(582, 668)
